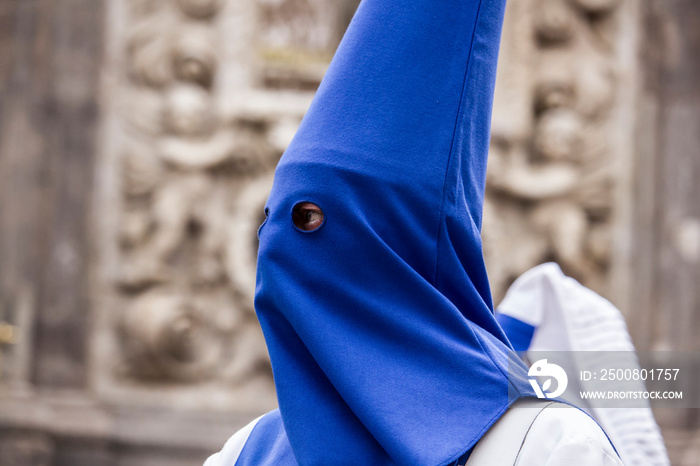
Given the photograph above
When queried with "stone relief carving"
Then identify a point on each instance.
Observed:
(201, 9)
(550, 176)
(204, 124)
(199, 125)
(297, 39)
(192, 183)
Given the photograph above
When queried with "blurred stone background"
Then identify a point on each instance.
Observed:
(137, 143)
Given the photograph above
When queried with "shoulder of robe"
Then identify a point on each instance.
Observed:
(232, 448)
(565, 436)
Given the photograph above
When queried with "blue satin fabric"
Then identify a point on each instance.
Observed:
(519, 333)
(379, 324)
(267, 443)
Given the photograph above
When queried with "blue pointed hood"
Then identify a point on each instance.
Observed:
(379, 323)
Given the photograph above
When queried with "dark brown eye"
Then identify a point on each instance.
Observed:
(307, 216)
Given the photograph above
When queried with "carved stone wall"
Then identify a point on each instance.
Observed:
(203, 96)
(553, 163)
(138, 139)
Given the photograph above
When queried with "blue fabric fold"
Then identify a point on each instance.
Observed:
(519, 333)
(269, 443)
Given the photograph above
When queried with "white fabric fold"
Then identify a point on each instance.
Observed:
(570, 317)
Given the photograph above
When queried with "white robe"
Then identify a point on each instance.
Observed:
(558, 437)
(567, 316)
(566, 437)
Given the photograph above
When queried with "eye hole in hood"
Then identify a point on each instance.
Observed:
(307, 217)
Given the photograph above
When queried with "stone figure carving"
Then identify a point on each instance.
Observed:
(187, 316)
(201, 9)
(549, 187)
(207, 100)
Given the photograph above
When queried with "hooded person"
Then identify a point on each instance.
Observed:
(371, 289)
